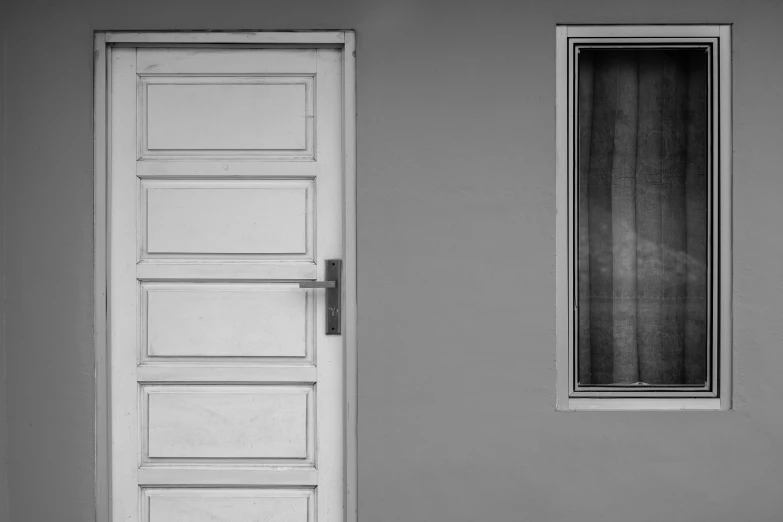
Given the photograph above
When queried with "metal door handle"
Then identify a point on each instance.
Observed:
(333, 274)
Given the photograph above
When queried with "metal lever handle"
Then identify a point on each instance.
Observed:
(333, 273)
(318, 284)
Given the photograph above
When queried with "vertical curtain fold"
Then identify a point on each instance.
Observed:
(648, 195)
(625, 355)
(599, 220)
(695, 210)
(585, 128)
(673, 223)
(642, 217)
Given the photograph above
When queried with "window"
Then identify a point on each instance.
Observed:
(644, 217)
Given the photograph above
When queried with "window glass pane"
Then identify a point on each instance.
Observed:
(642, 217)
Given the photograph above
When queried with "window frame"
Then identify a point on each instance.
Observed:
(717, 394)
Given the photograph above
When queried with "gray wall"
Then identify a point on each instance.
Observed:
(456, 278)
(3, 418)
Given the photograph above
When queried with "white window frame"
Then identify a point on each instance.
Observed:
(717, 395)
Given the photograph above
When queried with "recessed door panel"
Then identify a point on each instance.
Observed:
(258, 218)
(229, 505)
(227, 116)
(228, 422)
(201, 321)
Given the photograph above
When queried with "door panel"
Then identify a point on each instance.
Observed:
(225, 191)
(228, 113)
(228, 422)
(183, 218)
(211, 320)
(229, 505)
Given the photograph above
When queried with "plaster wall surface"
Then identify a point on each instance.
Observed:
(3, 418)
(456, 235)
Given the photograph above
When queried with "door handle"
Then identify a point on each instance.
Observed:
(333, 275)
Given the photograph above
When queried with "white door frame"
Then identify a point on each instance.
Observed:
(104, 42)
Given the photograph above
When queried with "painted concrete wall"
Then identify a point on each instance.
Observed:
(456, 278)
(4, 514)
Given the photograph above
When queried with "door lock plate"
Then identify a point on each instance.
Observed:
(333, 277)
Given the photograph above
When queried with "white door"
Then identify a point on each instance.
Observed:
(225, 192)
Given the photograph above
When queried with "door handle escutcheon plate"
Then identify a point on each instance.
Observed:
(333, 276)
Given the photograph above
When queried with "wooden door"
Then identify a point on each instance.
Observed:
(225, 191)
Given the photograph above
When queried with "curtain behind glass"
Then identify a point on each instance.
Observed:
(642, 234)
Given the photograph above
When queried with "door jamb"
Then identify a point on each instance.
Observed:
(103, 43)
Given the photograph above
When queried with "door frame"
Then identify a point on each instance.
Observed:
(104, 41)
